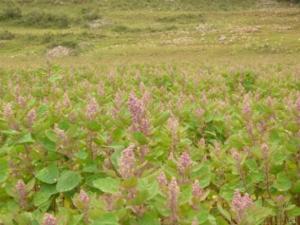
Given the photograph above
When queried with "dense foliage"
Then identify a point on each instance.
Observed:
(149, 145)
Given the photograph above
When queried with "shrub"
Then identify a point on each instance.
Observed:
(6, 35)
(10, 12)
(45, 19)
(90, 14)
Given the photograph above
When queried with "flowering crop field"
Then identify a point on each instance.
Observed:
(149, 145)
(157, 112)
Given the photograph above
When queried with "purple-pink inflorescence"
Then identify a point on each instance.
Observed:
(265, 151)
(298, 104)
(240, 204)
(236, 155)
(21, 101)
(197, 191)
(92, 109)
(184, 162)
(66, 100)
(85, 201)
(49, 219)
(31, 117)
(173, 194)
(162, 179)
(22, 194)
(8, 111)
(84, 198)
(127, 162)
(246, 107)
(137, 109)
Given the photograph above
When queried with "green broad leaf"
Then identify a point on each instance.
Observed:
(282, 182)
(54, 78)
(116, 155)
(24, 218)
(81, 154)
(51, 135)
(185, 195)
(48, 145)
(76, 220)
(90, 167)
(227, 190)
(255, 177)
(159, 205)
(42, 109)
(9, 132)
(48, 175)
(40, 198)
(224, 212)
(296, 187)
(106, 219)
(26, 139)
(212, 220)
(163, 117)
(67, 181)
(256, 215)
(64, 124)
(151, 188)
(93, 126)
(3, 170)
(279, 156)
(149, 218)
(237, 141)
(203, 216)
(140, 138)
(294, 212)
(203, 174)
(251, 164)
(130, 182)
(107, 185)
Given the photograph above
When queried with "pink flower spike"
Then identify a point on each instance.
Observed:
(21, 191)
(298, 104)
(138, 114)
(31, 117)
(8, 111)
(173, 195)
(236, 155)
(49, 219)
(162, 179)
(240, 204)
(185, 162)
(66, 100)
(197, 191)
(92, 109)
(84, 198)
(127, 162)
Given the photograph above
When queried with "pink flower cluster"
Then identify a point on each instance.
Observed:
(84, 198)
(162, 179)
(92, 109)
(197, 191)
(22, 194)
(31, 117)
(127, 162)
(49, 219)
(138, 114)
(8, 111)
(173, 194)
(246, 107)
(240, 204)
(184, 162)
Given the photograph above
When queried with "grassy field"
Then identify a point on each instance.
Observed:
(126, 32)
(149, 112)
